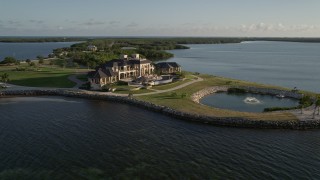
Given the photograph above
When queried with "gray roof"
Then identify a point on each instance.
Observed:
(101, 73)
(167, 65)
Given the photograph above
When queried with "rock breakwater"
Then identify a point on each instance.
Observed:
(187, 116)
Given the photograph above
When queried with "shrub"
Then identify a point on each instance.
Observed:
(121, 83)
(306, 101)
(183, 95)
(236, 90)
(270, 109)
(20, 69)
(174, 94)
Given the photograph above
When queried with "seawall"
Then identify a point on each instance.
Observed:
(218, 121)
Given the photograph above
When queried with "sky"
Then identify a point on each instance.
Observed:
(217, 18)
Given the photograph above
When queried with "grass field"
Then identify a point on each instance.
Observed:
(53, 76)
(41, 76)
(176, 100)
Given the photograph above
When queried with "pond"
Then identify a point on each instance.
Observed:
(247, 102)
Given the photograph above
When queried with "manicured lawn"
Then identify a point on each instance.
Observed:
(140, 91)
(40, 77)
(185, 104)
(82, 77)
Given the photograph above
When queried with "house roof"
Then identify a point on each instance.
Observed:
(167, 65)
(124, 62)
(101, 73)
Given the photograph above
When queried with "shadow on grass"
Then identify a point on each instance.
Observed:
(61, 81)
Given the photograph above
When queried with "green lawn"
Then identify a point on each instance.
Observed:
(140, 91)
(185, 104)
(41, 76)
(82, 77)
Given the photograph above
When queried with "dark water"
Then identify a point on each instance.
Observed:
(240, 101)
(22, 51)
(285, 64)
(67, 138)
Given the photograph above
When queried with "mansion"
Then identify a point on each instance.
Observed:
(127, 69)
(121, 69)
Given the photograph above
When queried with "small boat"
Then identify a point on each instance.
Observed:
(280, 96)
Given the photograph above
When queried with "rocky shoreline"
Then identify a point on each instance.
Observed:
(210, 90)
(218, 121)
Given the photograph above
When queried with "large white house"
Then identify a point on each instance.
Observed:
(120, 69)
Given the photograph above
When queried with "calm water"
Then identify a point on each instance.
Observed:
(239, 102)
(24, 51)
(77, 139)
(279, 63)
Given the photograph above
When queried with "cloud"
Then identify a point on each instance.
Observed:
(263, 27)
(70, 21)
(13, 23)
(132, 25)
(36, 21)
(114, 22)
(91, 22)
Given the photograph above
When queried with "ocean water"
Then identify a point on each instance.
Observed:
(23, 51)
(69, 138)
(285, 64)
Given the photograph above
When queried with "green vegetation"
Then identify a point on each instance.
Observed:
(41, 39)
(9, 60)
(306, 101)
(35, 76)
(317, 106)
(235, 90)
(181, 100)
(110, 48)
(270, 109)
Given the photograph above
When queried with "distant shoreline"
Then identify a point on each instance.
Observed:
(190, 40)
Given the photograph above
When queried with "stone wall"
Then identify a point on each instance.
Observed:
(225, 121)
(204, 92)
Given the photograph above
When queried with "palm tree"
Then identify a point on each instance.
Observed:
(5, 78)
(316, 106)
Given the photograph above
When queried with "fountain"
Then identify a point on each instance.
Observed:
(251, 100)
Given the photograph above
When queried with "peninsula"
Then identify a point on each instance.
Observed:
(64, 71)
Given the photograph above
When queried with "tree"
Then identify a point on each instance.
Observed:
(305, 101)
(51, 63)
(5, 78)
(39, 57)
(9, 60)
(32, 64)
(28, 61)
(41, 61)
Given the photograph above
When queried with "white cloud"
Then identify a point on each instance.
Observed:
(280, 28)
(93, 23)
(132, 25)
